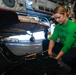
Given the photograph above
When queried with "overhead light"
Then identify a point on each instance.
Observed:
(30, 3)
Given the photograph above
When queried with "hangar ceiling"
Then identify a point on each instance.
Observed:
(10, 23)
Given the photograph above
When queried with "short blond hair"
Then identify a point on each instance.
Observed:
(60, 10)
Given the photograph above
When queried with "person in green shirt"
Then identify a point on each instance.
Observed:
(66, 31)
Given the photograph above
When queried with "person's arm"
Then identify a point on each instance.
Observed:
(51, 45)
(53, 39)
(60, 54)
(70, 39)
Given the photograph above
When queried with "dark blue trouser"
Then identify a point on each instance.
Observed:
(68, 58)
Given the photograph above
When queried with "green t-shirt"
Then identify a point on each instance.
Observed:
(67, 35)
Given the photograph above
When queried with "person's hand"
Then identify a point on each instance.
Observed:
(60, 54)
